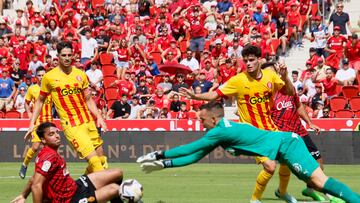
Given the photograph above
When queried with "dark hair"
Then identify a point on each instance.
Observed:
(183, 103)
(268, 64)
(330, 70)
(40, 130)
(251, 50)
(62, 45)
(295, 72)
(40, 68)
(214, 107)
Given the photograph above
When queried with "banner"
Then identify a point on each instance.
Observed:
(334, 124)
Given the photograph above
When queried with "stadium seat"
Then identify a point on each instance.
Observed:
(350, 91)
(106, 59)
(357, 114)
(2, 114)
(344, 114)
(108, 80)
(338, 103)
(192, 115)
(111, 93)
(275, 44)
(183, 46)
(108, 70)
(12, 114)
(355, 103)
(25, 115)
(173, 114)
(157, 57)
(339, 90)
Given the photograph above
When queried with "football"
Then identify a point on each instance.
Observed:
(131, 191)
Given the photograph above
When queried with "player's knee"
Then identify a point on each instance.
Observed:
(118, 174)
(35, 146)
(269, 166)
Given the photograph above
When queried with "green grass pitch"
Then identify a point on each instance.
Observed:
(198, 183)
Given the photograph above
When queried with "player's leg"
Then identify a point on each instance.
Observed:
(315, 153)
(97, 142)
(36, 142)
(263, 178)
(284, 178)
(332, 186)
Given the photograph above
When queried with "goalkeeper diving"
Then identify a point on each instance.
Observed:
(244, 139)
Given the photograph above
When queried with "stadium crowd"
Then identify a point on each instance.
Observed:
(129, 48)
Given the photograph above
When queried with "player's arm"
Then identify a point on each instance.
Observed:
(25, 193)
(288, 88)
(93, 109)
(208, 96)
(37, 187)
(36, 112)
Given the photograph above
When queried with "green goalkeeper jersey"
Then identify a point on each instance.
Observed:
(236, 138)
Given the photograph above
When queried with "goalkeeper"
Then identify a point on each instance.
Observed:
(286, 147)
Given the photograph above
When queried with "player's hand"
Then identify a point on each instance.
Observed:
(315, 128)
(149, 167)
(152, 156)
(101, 123)
(18, 199)
(186, 93)
(282, 70)
(28, 133)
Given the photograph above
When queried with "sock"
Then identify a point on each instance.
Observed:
(95, 164)
(340, 190)
(29, 155)
(284, 175)
(261, 181)
(88, 170)
(104, 162)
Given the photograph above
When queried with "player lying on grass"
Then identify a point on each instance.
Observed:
(241, 138)
(51, 181)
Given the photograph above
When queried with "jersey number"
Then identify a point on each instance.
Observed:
(75, 143)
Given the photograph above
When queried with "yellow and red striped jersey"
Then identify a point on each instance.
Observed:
(67, 94)
(254, 97)
(46, 112)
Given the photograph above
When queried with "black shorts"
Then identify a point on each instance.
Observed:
(311, 147)
(85, 191)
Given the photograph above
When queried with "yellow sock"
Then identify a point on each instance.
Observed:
(29, 155)
(104, 162)
(261, 181)
(95, 164)
(284, 175)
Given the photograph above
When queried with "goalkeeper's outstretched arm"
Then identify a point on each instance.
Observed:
(186, 160)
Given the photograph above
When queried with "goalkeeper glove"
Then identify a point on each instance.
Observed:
(149, 167)
(152, 156)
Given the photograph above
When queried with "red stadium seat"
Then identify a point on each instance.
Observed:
(355, 103)
(25, 115)
(350, 91)
(339, 90)
(96, 3)
(108, 80)
(157, 57)
(344, 114)
(12, 114)
(275, 44)
(111, 93)
(2, 114)
(338, 103)
(106, 58)
(108, 70)
(183, 46)
(357, 114)
(192, 115)
(173, 114)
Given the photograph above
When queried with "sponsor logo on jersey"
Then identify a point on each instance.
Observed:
(284, 105)
(70, 91)
(258, 100)
(46, 166)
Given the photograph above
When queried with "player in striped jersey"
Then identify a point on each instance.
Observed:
(45, 115)
(254, 90)
(69, 89)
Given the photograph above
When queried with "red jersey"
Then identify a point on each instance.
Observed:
(293, 18)
(197, 25)
(40, 51)
(135, 53)
(353, 52)
(285, 116)
(161, 102)
(336, 43)
(226, 73)
(196, 104)
(304, 7)
(59, 186)
(216, 53)
(329, 86)
(182, 115)
(22, 53)
(123, 54)
(124, 87)
(164, 41)
(4, 52)
(277, 8)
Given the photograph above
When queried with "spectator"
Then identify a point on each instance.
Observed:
(326, 112)
(102, 40)
(329, 84)
(153, 67)
(173, 49)
(340, 18)
(125, 86)
(313, 57)
(16, 75)
(120, 108)
(180, 83)
(183, 113)
(209, 70)
(135, 107)
(177, 26)
(295, 79)
(196, 104)
(20, 100)
(346, 75)
(36, 30)
(5, 31)
(293, 18)
(319, 35)
(202, 82)
(235, 49)
(40, 49)
(142, 71)
(137, 50)
(123, 57)
(7, 91)
(319, 96)
(320, 70)
(140, 36)
(95, 76)
(219, 52)
(225, 7)
(89, 46)
(149, 111)
(308, 110)
(34, 64)
(352, 52)
(190, 61)
(175, 103)
(166, 85)
(335, 46)
(20, 18)
(142, 90)
(227, 70)
(318, 112)
(161, 100)
(281, 33)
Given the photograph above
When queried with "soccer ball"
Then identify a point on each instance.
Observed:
(131, 191)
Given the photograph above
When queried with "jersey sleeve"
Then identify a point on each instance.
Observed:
(46, 165)
(231, 87)
(45, 86)
(277, 82)
(85, 84)
(29, 96)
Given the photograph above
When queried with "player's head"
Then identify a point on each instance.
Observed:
(48, 133)
(210, 114)
(64, 50)
(251, 55)
(40, 72)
